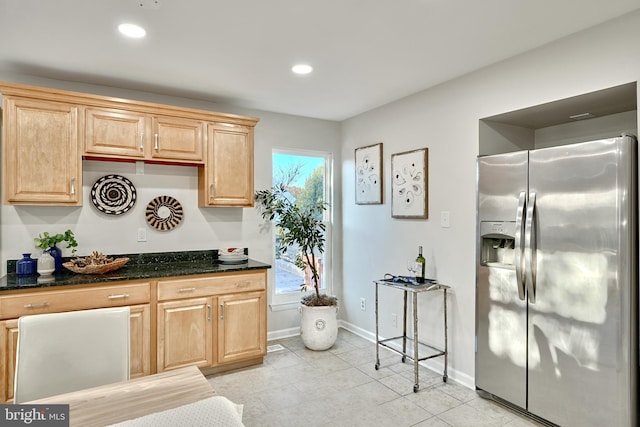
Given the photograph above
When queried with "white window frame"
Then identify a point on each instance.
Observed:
(292, 300)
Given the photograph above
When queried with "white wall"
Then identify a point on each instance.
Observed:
(446, 120)
(201, 228)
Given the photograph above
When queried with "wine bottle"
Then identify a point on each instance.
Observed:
(420, 260)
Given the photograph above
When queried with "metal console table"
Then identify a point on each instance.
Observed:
(399, 344)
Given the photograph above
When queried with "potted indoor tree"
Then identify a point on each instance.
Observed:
(300, 228)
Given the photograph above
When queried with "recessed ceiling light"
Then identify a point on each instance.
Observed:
(302, 69)
(132, 30)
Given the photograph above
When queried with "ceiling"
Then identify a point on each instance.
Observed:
(365, 53)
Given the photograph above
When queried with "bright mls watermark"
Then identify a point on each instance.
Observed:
(34, 415)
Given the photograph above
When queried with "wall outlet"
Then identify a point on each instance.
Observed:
(445, 219)
(142, 234)
(363, 304)
(394, 320)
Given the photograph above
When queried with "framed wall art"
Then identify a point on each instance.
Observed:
(410, 184)
(369, 175)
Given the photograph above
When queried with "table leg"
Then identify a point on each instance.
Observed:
(404, 327)
(377, 366)
(446, 347)
(415, 342)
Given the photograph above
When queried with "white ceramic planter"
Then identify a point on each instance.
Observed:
(318, 327)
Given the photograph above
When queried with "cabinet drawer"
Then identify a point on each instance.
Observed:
(13, 306)
(211, 285)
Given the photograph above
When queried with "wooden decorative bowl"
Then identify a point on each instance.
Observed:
(96, 268)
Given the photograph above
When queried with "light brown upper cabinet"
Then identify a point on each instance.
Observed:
(46, 133)
(42, 161)
(227, 178)
(113, 132)
(128, 134)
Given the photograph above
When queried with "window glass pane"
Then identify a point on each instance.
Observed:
(304, 178)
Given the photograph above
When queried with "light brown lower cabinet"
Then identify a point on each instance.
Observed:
(139, 347)
(140, 336)
(14, 304)
(242, 329)
(216, 321)
(212, 321)
(185, 333)
(8, 344)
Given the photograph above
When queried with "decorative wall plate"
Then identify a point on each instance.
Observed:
(113, 194)
(164, 213)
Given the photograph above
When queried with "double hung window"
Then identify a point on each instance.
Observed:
(307, 177)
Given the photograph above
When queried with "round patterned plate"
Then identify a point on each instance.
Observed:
(113, 194)
(164, 213)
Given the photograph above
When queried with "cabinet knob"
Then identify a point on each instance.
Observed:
(211, 192)
(142, 142)
(221, 311)
(186, 289)
(155, 142)
(209, 312)
(118, 296)
(73, 186)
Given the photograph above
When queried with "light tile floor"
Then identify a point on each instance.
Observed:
(340, 387)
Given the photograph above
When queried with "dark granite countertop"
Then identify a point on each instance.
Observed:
(140, 266)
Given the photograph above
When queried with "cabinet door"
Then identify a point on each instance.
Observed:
(8, 344)
(185, 333)
(42, 160)
(140, 357)
(140, 347)
(114, 132)
(176, 138)
(229, 168)
(242, 326)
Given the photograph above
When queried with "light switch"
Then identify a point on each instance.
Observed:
(444, 219)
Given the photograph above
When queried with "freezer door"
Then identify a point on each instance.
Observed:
(582, 321)
(501, 178)
(500, 313)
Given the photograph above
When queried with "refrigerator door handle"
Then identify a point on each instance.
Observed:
(519, 244)
(530, 249)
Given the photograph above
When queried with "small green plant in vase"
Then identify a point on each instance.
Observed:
(47, 242)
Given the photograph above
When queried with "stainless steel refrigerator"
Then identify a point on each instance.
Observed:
(557, 282)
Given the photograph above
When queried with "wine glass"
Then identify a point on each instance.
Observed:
(412, 266)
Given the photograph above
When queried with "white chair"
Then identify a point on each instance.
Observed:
(62, 352)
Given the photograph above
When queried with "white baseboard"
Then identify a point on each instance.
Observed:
(283, 333)
(292, 332)
(369, 336)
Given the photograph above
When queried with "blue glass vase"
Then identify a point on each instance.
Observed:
(56, 253)
(26, 266)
